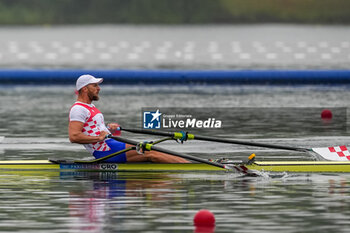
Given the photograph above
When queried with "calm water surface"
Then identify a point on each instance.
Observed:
(34, 125)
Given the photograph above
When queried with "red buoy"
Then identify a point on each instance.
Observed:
(204, 218)
(326, 114)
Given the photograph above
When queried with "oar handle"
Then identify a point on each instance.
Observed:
(149, 146)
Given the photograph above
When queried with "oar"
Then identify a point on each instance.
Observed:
(186, 136)
(99, 160)
(149, 146)
(337, 153)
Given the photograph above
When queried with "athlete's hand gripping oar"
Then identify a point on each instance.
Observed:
(337, 153)
(149, 147)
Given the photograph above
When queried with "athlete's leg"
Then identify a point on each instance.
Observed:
(132, 156)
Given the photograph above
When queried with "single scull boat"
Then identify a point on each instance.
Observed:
(273, 166)
(334, 159)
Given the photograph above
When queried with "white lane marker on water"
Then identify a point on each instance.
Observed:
(78, 56)
(326, 56)
(114, 49)
(78, 44)
(301, 44)
(323, 44)
(244, 56)
(335, 50)
(162, 50)
(147, 44)
(89, 50)
(160, 56)
(64, 50)
(38, 50)
(299, 55)
(138, 49)
(51, 56)
(311, 50)
(216, 56)
(101, 44)
(22, 56)
(279, 44)
(345, 44)
(105, 56)
(287, 49)
(123, 44)
(188, 56)
(56, 44)
(133, 56)
(178, 54)
(271, 56)
(213, 48)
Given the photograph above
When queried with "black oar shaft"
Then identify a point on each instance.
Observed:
(222, 140)
(247, 143)
(160, 149)
(186, 156)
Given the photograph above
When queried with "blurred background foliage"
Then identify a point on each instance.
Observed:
(27, 12)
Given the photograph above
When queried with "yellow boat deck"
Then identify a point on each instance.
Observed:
(301, 166)
(273, 166)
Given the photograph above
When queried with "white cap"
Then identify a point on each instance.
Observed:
(87, 79)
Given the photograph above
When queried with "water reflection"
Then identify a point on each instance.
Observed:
(112, 195)
(132, 202)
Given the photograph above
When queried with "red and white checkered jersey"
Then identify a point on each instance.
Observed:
(93, 124)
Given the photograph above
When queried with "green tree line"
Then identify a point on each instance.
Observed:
(27, 12)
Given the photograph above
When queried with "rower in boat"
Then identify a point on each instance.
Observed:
(87, 127)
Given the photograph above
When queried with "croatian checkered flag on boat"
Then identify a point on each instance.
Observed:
(333, 153)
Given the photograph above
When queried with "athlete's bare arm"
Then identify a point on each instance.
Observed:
(76, 135)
